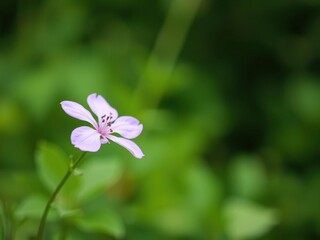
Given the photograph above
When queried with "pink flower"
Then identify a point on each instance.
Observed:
(90, 139)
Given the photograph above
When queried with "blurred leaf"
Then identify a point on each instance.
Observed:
(27, 229)
(248, 220)
(177, 220)
(52, 165)
(101, 219)
(65, 212)
(17, 184)
(177, 203)
(98, 174)
(33, 207)
(247, 176)
(203, 189)
(10, 117)
(77, 68)
(293, 140)
(303, 94)
(37, 91)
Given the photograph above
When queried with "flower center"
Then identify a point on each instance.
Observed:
(105, 124)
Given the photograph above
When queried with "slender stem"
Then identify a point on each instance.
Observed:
(54, 194)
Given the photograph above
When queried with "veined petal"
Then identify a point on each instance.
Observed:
(127, 127)
(100, 106)
(129, 145)
(76, 110)
(126, 120)
(86, 139)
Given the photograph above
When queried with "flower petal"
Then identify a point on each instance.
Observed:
(100, 106)
(127, 127)
(76, 110)
(86, 139)
(126, 120)
(129, 145)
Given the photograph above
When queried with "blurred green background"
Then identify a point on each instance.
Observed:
(229, 95)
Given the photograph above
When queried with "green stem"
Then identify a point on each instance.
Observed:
(54, 194)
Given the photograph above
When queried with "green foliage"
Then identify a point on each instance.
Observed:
(247, 176)
(95, 176)
(228, 93)
(108, 221)
(32, 207)
(98, 174)
(240, 214)
(304, 96)
(52, 164)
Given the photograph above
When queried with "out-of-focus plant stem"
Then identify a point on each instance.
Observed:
(55, 193)
(166, 51)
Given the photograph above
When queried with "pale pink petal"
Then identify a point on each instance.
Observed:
(126, 120)
(127, 127)
(129, 145)
(75, 110)
(86, 139)
(100, 106)
(104, 140)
